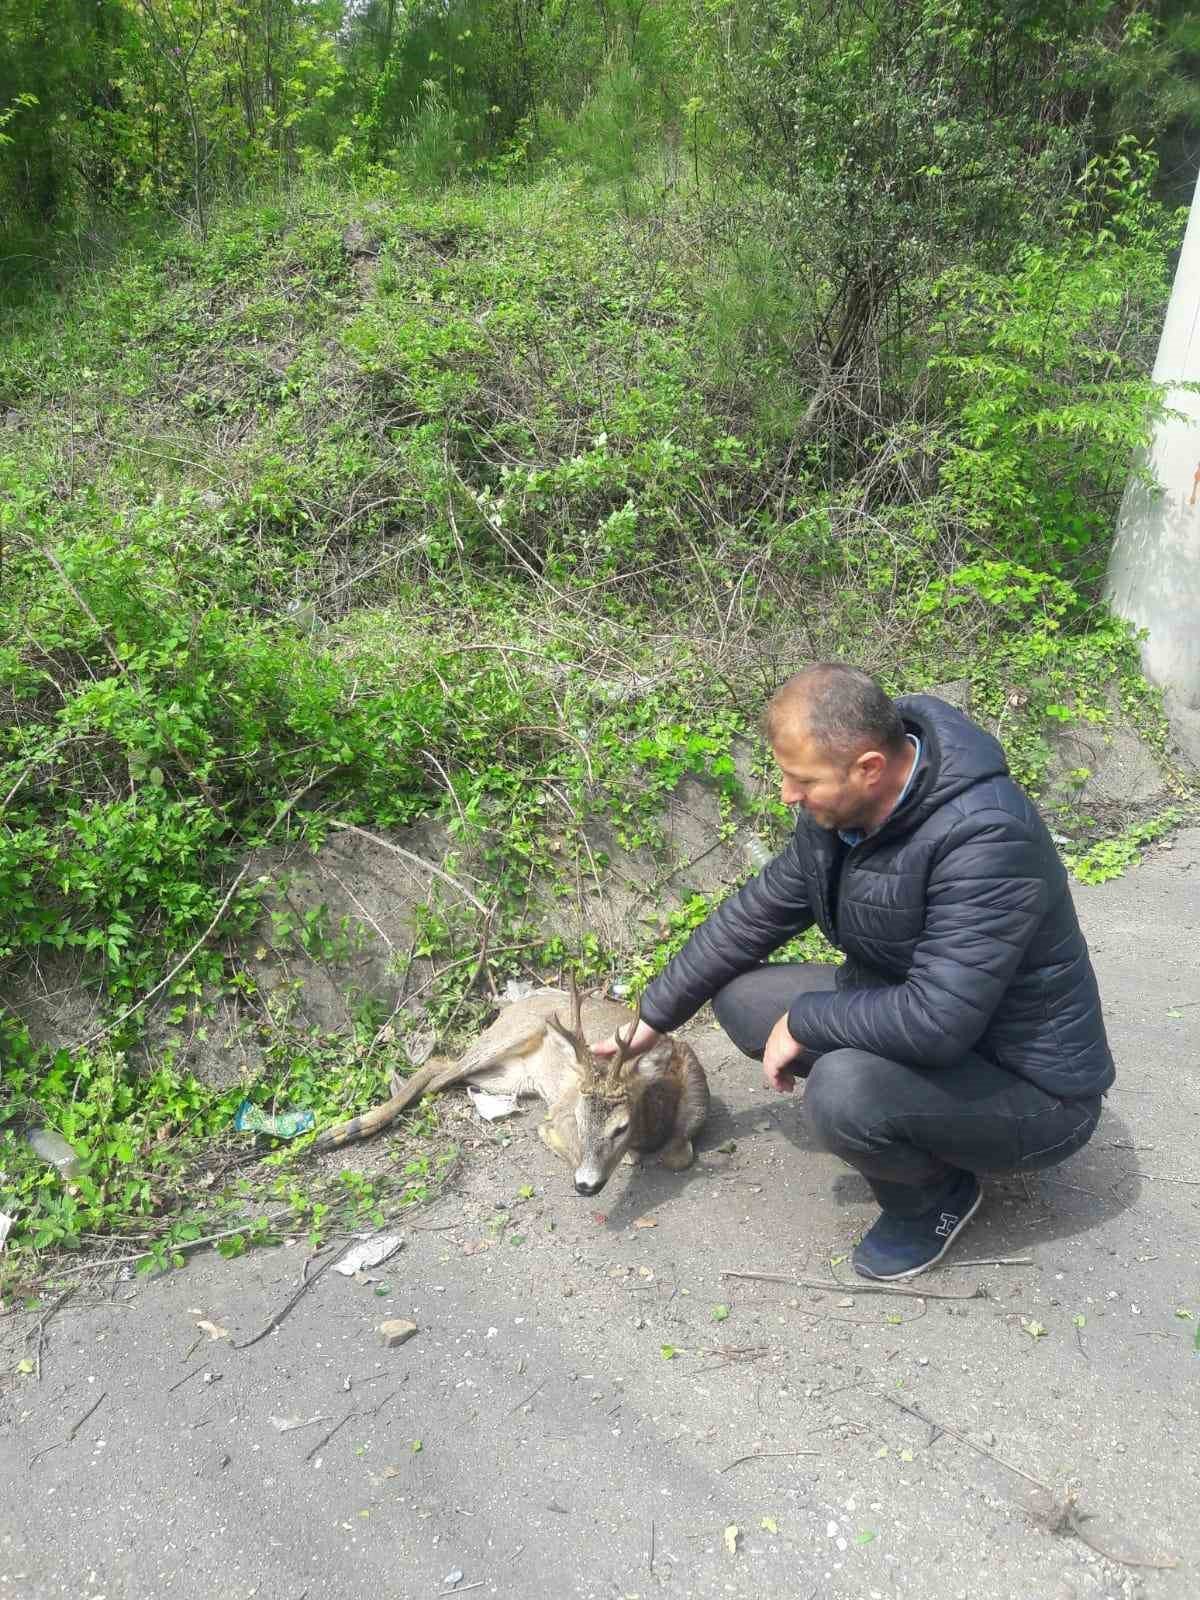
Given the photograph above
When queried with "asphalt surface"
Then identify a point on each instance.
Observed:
(590, 1407)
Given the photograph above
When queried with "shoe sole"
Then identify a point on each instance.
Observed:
(914, 1272)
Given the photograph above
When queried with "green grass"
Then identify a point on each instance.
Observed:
(455, 517)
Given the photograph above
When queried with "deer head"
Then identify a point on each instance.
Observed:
(607, 1091)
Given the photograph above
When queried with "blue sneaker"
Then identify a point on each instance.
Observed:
(900, 1247)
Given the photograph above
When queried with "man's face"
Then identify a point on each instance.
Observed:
(833, 792)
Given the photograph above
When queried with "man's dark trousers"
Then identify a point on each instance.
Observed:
(907, 1129)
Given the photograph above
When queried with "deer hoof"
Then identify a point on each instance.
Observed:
(678, 1155)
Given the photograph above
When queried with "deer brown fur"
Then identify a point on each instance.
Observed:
(598, 1108)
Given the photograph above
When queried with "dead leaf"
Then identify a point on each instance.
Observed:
(732, 1534)
(644, 1222)
(212, 1329)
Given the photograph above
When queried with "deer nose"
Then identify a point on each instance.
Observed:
(582, 1187)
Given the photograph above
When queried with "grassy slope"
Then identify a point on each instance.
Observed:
(403, 508)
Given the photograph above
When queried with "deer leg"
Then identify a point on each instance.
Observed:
(677, 1155)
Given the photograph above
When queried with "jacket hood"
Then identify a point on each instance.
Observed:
(955, 755)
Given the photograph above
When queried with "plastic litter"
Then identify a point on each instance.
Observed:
(250, 1118)
(519, 989)
(370, 1253)
(52, 1147)
(757, 852)
(6, 1223)
(491, 1107)
(453, 1579)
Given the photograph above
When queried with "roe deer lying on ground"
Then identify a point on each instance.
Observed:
(598, 1109)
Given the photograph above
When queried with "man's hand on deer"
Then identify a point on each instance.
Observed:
(643, 1037)
(780, 1051)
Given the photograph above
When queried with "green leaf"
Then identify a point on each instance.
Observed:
(417, 1447)
(720, 1313)
(669, 1352)
(769, 1525)
(525, 1192)
(865, 1536)
(1033, 1329)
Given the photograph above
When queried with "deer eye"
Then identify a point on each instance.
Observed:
(618, 1130)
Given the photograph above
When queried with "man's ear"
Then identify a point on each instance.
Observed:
(871, 765)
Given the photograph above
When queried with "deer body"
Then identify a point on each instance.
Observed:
(598, 1109)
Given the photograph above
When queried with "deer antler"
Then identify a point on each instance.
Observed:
(621, 1056)
(574, 1035)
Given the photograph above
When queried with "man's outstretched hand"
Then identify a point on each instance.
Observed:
(643, 1037)
(780, 1051)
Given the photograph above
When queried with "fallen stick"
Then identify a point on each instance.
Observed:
(762, 1455)
(203, 939)
(417, 861)
(42, 1325)
(944, 1427)
(337, 1427)
(990, 1261)
(529, 1396)
(296, 1298)
(177, 1248)
(826, 1285)
(71, 1435)
(1075, 1520)
(1068, 1513)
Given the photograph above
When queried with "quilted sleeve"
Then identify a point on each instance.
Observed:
(765, 912)
(986, 895)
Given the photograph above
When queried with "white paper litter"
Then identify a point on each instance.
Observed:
(519, 989)
(6, 1223)
(491, 1107)
(286, 1424)
(371, 1253)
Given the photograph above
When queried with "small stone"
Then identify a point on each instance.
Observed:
(396, 1331)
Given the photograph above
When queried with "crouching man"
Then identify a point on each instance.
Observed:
(964, 1032)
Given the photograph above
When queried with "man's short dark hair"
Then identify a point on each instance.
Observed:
(842, 709)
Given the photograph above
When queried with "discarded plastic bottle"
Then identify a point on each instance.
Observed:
(757, 851)
(52, 1147)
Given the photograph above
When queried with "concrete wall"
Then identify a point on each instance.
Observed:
(1154, 570)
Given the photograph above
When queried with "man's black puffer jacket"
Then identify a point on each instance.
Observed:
(956, 921)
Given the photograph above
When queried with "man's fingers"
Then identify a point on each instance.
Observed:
(644, 1036)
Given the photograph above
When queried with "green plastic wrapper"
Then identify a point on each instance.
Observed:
(284, 1125)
